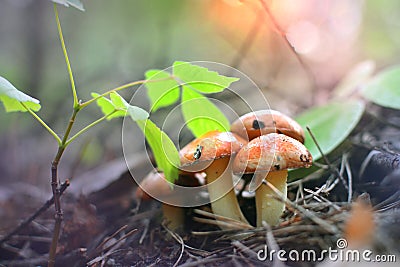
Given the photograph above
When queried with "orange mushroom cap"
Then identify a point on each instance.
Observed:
(257, 123)
(271, 152)
(210, 146)
(154, 184)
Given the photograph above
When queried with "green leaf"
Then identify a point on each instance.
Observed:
(384, 88)
(118, 101)
(331, 124)
(11, 98)
(200, 78)
(74, 3)
(162, 93)
(354, 78)
(107, 107)
(123, 108)
(164, 150)
(137, 114)
(200, 114)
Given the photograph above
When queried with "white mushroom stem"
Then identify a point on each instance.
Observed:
(222, 202)
(174, 217)
(270, 209)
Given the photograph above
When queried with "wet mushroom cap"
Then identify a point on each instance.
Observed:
(153, 185)
(208, 147)
(257, 123)
(271, 152)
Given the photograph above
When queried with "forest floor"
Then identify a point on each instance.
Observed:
(355, 198)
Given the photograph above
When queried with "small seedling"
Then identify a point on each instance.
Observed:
(193, 80)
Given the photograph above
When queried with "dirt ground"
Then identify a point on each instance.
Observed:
(109, 227)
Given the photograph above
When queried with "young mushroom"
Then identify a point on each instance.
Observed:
(154, 185)
(269, 157)
(211, 153)
(257, 123)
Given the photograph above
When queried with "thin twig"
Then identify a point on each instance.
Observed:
(42, 209)
(336, 207)
(202, 262)
(217, 223)
(146, 229)
(248, 40)
(395, 198)
(282, 33)
(271, 243)
(179, 239)
(331, 167)
(244, 248)
(125, 236)
(325, 225)
(382, 120)
(224, 220)
(366, 162)
(100, 246)
(349, 177)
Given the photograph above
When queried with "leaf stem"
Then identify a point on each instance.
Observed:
(69, 128)
(88, 127)
(71, 77)
(43, 123)
(85, 104)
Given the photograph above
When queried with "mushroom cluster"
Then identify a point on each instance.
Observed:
(275, 145)
(211, 153)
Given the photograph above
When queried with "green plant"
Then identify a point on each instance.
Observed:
(333, 122)
(190, 82)
(193, 80)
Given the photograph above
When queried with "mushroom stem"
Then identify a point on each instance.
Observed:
(223, 203)
(174, 217)
(269, 209)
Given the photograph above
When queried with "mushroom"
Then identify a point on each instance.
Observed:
(154, 185)
(257, 123)
(269, 157)
(211, 153)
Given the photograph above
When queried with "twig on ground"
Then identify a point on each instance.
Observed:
(321, 198)
(112, 248)
(271, 243)
(100, 246)
(178, 239)
(221, 220)
(38, 212)
(349, 177)
(331, 167)
(146, 223)
(328, 227)
(244, 249)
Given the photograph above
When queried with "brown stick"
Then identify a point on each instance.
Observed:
(38, 212)
(57, 192)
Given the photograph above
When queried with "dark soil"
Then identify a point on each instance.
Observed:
(108, 227)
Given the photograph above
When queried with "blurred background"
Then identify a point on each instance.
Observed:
(115, 42)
